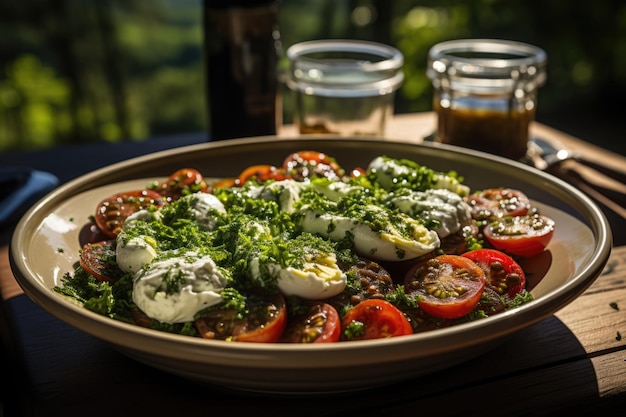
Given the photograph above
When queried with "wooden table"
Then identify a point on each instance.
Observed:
(574, 361)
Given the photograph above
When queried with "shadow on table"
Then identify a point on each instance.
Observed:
(69, 372)
(536, 371)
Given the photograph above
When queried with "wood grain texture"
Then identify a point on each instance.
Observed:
(8, 286)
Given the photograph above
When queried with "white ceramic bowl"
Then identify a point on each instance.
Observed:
(575, 257)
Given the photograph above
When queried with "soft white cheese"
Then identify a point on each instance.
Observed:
(334, 191)
(316, 280)
(174, 289)
(385, 245)
(286, 193)
(444, 211)
(388, 170)
(447, 182)
(331, 226)
(390, 245)
(205, 208)
(143, 215)
(133, 254)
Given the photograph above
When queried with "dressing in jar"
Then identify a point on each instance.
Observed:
(485, 93)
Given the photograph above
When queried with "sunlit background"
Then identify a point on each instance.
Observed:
(76, 71)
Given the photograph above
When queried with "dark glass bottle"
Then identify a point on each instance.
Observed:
(242, 44)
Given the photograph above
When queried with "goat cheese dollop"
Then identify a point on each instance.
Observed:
(174, 289)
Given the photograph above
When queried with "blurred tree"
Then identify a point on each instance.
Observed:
(79, 70)
(115, 59)
(34, 104)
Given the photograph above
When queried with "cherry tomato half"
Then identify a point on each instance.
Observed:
(320, 323)
(374, 319)
(98, 260)
(423, 322)
(504, 275)
(306, 164)
(261, 173)
(449, 286)
(225, 183)
(265, 321)
(112, 211)
(357, 172)
(492, 303)
(524, 236)
(182, 182)
(493, 203)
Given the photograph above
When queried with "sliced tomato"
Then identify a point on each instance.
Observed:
(307, 164)
(357, 172)
(423, 322)
(261, 173)
(113, 211)
(504, 275)
(492, 303)
(90, 233)
(182, 182)
(224, 183)
(524, 236)
(374, 319)
(448, 286)
(98, 260)
(493, 203)
(141, 318)
(265, 321)
(320, 323)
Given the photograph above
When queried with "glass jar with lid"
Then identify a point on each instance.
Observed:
(485, 93)
(343, 86)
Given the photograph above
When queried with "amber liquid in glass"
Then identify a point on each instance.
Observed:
(499, 132)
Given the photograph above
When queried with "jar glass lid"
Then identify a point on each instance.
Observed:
(348, 68)
(487, 64)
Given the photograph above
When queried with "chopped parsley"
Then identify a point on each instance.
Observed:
(354, 330)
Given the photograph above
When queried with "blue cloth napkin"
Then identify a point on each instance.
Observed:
(20, 188)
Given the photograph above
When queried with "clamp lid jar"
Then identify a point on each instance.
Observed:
(485, 93)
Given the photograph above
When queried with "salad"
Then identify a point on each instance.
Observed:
(308, 252)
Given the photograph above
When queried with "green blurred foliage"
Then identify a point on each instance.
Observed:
(32, 102)
(75, 71)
